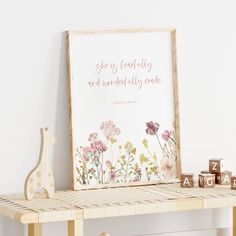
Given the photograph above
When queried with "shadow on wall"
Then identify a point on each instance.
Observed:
(10, 227)
(61, 156)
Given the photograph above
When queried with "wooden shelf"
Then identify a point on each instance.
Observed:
(111, 202)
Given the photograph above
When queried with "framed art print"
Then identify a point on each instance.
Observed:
(123, 107)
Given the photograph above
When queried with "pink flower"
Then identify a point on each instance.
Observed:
(112, 174)
(96, 160)
(86, 159)
(166, 135)
(98, 146)
(86, 153)
(109, 128)
(152, 127)
(168, 168)
(108, 164)
(93, 137)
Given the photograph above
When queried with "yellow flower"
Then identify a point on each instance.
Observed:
(129, 147)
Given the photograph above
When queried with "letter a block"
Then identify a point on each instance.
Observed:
(233, 182)
(207, 180)
(223, 178)
(187, 181)
(216, 165)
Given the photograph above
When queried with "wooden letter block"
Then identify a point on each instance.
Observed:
(223, 178)
(187, 181)
(216, 165)
(233, 182)
(205, 172)
(207, 180)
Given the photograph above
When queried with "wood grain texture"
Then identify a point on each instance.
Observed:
(35, 230)
(234, 221)
(70, 105)
(120, 31)
(176, 101)
(75, 228)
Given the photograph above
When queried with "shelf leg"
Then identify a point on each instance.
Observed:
(234, 221)
(35, 230)
(76, 228)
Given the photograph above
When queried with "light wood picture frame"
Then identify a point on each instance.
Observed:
(124, 108)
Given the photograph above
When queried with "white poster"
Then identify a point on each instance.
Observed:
(123, 107)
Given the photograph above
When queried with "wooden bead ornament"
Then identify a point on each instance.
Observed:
(233, 182)
(223, 178)
(206, 180)
(216, 165)
(41, 177)
(187, 181)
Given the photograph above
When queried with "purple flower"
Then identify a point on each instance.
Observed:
(152, 127)
(166, 135)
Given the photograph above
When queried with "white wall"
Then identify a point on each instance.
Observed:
(33, 94)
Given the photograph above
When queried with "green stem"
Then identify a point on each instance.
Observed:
(112, 158)
(102, 180)
(127, 166)
(86, 171)
(96, 177)
(158, 176)
(85, 167)
(80, 176)
(173, 140)
(154, 160)
(159, 141)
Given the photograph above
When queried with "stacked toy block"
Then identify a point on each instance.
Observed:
(209, 178)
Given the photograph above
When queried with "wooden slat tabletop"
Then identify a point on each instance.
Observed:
(98, 203)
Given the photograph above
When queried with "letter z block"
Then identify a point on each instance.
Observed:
(216, 165)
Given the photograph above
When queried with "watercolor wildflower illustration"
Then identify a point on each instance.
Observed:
(165, 166)
(104, 160)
